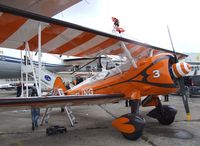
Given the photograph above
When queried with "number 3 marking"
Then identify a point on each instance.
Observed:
(156, 73)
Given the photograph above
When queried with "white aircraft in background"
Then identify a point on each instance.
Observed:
(7, 86)
(66, 66)
(10, 62)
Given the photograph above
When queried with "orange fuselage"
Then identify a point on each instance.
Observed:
(152, 77)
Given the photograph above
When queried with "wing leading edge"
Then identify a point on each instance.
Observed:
(60, 100)
(59, 37)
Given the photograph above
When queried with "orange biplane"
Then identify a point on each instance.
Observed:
(148, 70)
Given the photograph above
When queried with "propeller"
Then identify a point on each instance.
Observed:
(179, 70)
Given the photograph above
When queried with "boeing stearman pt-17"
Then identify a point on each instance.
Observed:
(148, 71)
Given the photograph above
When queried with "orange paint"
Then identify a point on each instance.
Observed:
(75, 42)
(59, 84)
(183, 68)
(47, 34)
(157, 73)
(120, 50)
(109, 42)
(176, 70)
(152, 102)
(149, 78)
(121, 125)
(6, 22)
(138, 51)
(136, 95)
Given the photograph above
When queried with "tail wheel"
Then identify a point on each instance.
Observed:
(135, 121)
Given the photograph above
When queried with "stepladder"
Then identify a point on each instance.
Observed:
(67, 110)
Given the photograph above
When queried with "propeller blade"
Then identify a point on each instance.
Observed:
(181, 82)
(176, 58)
(184, 98)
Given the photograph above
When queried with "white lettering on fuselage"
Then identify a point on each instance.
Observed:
(85, 92)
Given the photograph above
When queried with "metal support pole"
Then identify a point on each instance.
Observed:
(22, 79)
(26, 63)
(32, 67)
(129, 55)
(39, 58)
(151, 52)
(135, 104)
(131, 59)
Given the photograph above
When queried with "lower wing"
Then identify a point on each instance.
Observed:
(49, 101)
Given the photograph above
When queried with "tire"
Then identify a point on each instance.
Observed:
(138, 122)
(133, 136)
(167, 118)
(166, 121)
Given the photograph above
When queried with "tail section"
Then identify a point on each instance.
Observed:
(58, 84)
(51, 80)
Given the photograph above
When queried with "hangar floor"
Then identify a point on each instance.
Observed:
(94, 127)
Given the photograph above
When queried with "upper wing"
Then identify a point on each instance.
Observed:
(60, 100)
(61, 37)
(42, 7)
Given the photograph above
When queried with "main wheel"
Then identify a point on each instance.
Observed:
(164, 114)
(130, 125)
(133, 136)
(167, 116)
(166, 120)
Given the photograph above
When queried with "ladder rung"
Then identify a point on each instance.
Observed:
(68, 111)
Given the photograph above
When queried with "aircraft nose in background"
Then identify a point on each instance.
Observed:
(181, 69)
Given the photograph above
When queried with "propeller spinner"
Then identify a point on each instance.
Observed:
(181, 69)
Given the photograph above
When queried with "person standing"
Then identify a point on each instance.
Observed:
(35, 115)
(166, 98)
(35, 111)
(19, 90)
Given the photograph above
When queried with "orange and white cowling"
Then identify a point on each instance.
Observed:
(181, 69)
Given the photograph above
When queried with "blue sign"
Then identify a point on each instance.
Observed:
(47, 77)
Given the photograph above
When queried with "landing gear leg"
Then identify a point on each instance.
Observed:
(135, 104)
(165, 114)
(131, 125)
